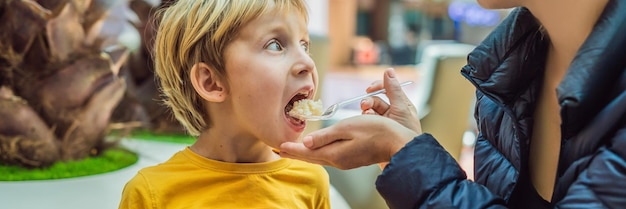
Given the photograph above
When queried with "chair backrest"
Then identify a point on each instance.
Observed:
(450, 98)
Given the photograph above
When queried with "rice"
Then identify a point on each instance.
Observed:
(306, 107)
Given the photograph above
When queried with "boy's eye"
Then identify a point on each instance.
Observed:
(305, 46)
(274, 45)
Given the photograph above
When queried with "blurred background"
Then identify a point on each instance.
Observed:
(60, 61)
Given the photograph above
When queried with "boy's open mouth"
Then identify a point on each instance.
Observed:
(297, 97)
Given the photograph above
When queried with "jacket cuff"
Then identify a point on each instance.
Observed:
(415, 171)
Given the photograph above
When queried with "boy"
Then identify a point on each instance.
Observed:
(230, 71)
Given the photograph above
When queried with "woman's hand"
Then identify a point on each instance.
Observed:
(401, 109)
(350, 143)
(363, 140)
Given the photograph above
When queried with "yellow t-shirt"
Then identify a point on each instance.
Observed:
(188, 180)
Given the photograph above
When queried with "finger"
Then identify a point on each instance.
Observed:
(288, 155)
(325, 136)
(375, 86)
(300, 152)
(367, 103)
(294, 147)
(324, 156)
(379, 105)
(393, 88)
(369, 112)
(296, 150)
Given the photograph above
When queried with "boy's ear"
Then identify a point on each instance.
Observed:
(207, 83)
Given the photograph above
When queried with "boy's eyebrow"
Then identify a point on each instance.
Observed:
(277, 28)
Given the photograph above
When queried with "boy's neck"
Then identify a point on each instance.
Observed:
(225, 142)
(216, 145)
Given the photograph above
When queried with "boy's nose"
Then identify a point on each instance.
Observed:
(304, 64)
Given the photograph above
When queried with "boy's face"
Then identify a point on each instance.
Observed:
(269, 67)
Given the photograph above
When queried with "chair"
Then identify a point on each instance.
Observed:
(450, 95)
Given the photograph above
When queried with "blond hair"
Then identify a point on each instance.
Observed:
(194, 31)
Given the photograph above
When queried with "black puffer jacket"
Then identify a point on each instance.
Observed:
(507, 70)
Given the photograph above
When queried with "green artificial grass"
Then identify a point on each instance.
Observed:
(173, 138)
(112, 159)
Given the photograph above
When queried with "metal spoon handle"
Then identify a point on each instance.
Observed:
(370, 94)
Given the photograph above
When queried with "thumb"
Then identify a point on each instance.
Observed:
(393, 89)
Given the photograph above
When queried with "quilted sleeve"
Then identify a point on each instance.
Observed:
(424, 175)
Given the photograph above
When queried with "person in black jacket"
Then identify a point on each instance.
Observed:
(551, 112)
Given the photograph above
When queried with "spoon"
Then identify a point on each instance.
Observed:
(330, 111)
